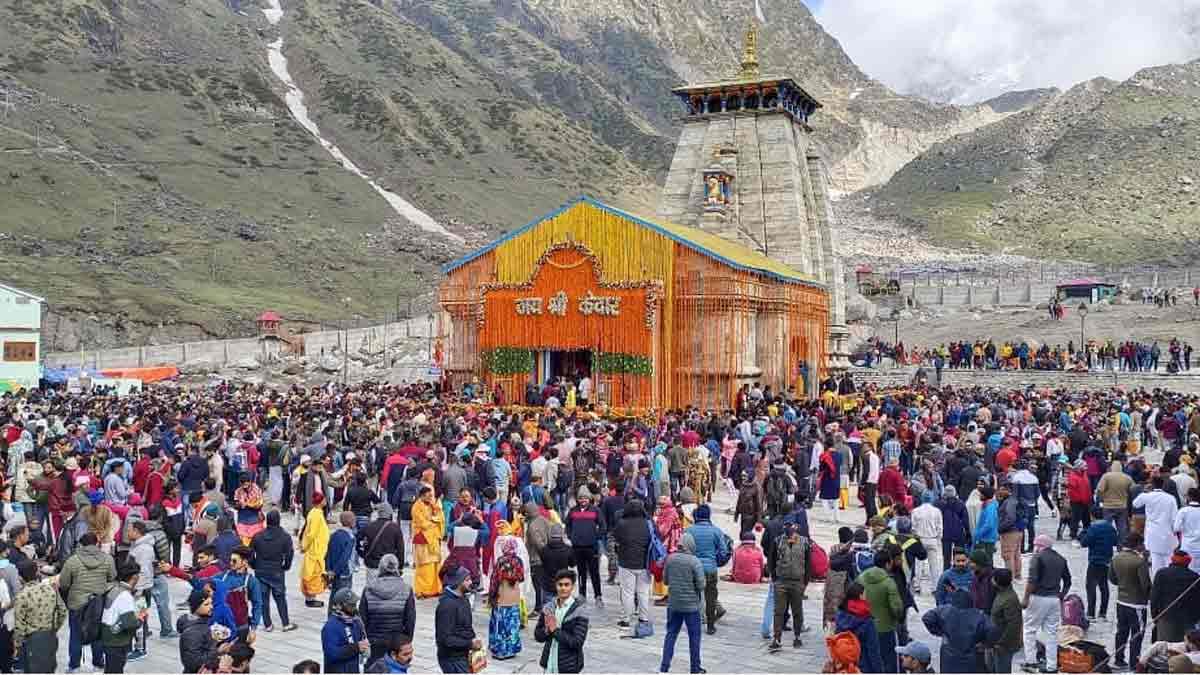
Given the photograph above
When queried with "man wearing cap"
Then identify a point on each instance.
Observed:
(585, 528)
(915, 657)
(454, 630)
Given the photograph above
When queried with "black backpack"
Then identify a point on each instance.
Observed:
(90, 617)
(779, 488)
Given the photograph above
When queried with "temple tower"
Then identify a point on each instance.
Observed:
(745, 168)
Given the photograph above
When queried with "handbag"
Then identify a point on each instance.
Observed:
(477, 661)
(644, 629)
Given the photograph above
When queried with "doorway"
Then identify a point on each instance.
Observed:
(569, 364)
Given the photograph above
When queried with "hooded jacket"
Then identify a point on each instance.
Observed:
(856, 618)
(1099, 539)
(1113, 489)
(196, 646)
(387, 608)
(879, 589)
(632, 537)
(89, 571)
(273, 552)
(454, 629)
(956, 528)
(961, 627)
(684, 575)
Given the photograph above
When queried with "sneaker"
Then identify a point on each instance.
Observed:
(1120, 665)
(136, 654)
(774, 646)
(1075, 544)
(797, 643)
(289, 628)
(712, 630)
(1029, 667)
(268, 629)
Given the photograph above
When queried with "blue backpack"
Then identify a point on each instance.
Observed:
(863, 560)
(656, 551)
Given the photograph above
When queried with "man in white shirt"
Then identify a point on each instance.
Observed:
(1187, 525)
(1160, 524)
(927, 524)
(872, 483)
(585, 390)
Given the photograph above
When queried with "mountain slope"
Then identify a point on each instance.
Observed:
(1105, 172)
(153, 169)
(153, 176)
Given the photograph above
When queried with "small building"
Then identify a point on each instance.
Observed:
(268, 323)
(1088, 289)
(656, 314)
(20, 338)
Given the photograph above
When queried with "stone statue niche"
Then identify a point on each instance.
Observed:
(718, 189)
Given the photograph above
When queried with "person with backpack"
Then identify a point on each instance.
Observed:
(84, 578)
(379, 538)
(886, 603)
(853, 618)
(751, 504)
(789, 564)
(781, 489)
(714, 549)
(120, 619)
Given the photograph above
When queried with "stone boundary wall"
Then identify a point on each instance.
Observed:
(220, 353)
(1042, 379)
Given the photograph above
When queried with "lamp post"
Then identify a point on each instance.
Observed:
(1083, 312)
(896, 321)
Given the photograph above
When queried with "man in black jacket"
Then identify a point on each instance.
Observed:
(273, 552)
(633, 542)
(454, 631)
(1173, 598)
(380, 537)
(611, 508)
(387, 608)
(562, 627)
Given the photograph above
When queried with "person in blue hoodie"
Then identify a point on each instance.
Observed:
(957, 577)
(1099, 539)
(343, 638)
(987, 528)
(337, 556)
(962, 629)
(854, 615)
(710, 544)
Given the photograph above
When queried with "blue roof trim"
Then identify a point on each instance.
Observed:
(584, 199)
(455, 264)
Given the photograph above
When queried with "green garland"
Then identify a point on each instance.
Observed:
(508, 361)
(632, 364)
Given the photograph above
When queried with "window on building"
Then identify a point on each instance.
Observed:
(20, 352)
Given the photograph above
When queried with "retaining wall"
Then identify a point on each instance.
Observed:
(223, 352)
(1007, 379)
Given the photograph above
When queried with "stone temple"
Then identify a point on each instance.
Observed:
(746, 169)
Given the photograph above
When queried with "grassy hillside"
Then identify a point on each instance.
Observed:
(1104, 172)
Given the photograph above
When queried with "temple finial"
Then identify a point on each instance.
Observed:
(750, 53)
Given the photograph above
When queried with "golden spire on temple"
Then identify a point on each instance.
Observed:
(750, 54)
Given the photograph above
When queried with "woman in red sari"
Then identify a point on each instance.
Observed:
(670, 531)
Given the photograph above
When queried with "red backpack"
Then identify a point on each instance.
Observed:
(818, 562)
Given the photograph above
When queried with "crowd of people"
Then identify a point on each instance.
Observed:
(1128, 356)
(519, 512)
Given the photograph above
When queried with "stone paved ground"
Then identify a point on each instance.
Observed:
(737, 646)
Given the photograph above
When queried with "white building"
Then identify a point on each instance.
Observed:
(20, 338)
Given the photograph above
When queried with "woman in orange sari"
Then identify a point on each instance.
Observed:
(428, 526)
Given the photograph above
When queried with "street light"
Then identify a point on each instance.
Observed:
(1083, 312)
(896, 321)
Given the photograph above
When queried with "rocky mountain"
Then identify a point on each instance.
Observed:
(155, 168)
(1105, 171)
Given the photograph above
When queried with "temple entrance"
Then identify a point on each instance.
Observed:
(572, 365)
